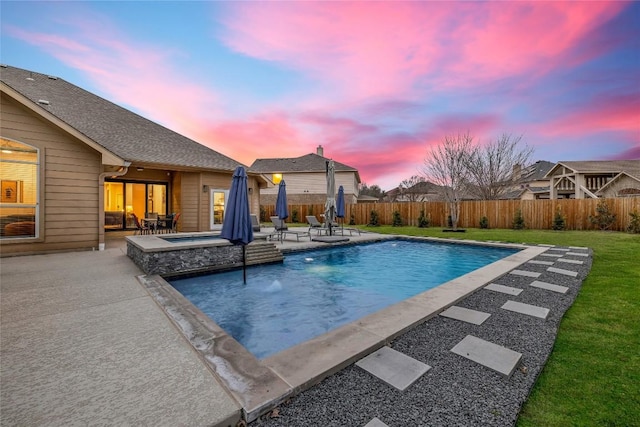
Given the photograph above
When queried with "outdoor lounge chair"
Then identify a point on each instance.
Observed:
(281, 230)
(255, 224)
(316, 225)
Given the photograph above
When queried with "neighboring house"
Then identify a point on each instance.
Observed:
(420, 192)
(305, 178)
(73, 164)
(594, 179)
(530, 183)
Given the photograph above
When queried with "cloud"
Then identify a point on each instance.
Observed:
(377, 49)
(129, 72)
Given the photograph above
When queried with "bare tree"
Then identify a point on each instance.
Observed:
(491, 167)
(409, 189)
(446, 165)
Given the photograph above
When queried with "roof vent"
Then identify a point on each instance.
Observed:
(4, 65)
(30, 79)
(43, 102)
(53, 77)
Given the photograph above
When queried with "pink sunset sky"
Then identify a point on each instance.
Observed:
(375, 83)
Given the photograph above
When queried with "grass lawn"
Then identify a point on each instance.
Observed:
(592, 377)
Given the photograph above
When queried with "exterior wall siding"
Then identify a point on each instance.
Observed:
(68, 181)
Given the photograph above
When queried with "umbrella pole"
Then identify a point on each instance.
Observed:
(244, 263)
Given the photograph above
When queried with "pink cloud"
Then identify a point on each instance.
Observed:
(374, 49)
(131, 73)
(602, 114)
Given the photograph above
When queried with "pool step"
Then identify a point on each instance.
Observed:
(263, 253)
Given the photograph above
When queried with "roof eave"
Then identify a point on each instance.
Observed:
(108, 158)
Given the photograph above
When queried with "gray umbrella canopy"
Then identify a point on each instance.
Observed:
(282, 211)
(330, 204)
(236, 226)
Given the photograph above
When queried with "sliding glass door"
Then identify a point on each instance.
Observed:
(123, 199)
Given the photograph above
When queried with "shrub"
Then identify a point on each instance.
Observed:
(373, 219)
(484, 222)
(397, 219)
(352, 220)
(634, 223)
(423, 221)
(294, 216)
(603, 218)
(518, 220)
(263, 214)
(558, 221)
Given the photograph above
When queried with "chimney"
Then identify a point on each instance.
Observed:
(517, 172)
(320, 151)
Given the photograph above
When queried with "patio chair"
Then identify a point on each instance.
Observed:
(140, 228)
(281, 230)
(316, 225)
(255, 224)
(174, 226)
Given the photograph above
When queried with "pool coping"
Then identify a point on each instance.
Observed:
(261, 385)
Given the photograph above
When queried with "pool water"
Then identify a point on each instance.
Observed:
(313, 292)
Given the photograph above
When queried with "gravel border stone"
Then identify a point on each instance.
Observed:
(456, 391)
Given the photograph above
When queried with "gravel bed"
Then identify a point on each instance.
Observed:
(455, 391)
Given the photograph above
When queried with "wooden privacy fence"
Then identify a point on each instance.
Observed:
(537, 214)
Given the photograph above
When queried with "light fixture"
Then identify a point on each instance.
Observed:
(250, 190)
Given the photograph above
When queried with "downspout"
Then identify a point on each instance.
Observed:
(122, 171)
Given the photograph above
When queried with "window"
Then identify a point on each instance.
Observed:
(18, 189)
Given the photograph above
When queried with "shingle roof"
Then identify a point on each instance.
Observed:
(536, 171)
(120, 131)
(308, 163)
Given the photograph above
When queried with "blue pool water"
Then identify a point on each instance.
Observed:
(313, 292)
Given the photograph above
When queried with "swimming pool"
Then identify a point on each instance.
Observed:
(317, 291)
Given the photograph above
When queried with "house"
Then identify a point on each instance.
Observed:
(595, 179)
(530, 183)
(305, 177)
(423, 191)
(73, 165)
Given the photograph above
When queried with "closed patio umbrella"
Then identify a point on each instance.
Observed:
(282, 211)
(330, 204)
(340, 204)
(236, 226)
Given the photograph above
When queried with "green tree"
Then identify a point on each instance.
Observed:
(518, 220)
(558, 221)
(603, 218)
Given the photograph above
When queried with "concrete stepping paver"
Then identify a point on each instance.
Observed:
(553, 255)
(375, 422)
(570, 261)
(525, 273)
(465, 315)
(533, 261)
(503, 289)
(493, 356)
(549, 287)
(576, 254)
(563, 271)
(528, 309)
(393, 367)
(559, 249)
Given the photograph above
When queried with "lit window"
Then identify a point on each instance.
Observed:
(277, 177)
(18, 189)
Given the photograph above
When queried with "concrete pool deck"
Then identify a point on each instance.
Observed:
(84, 343)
